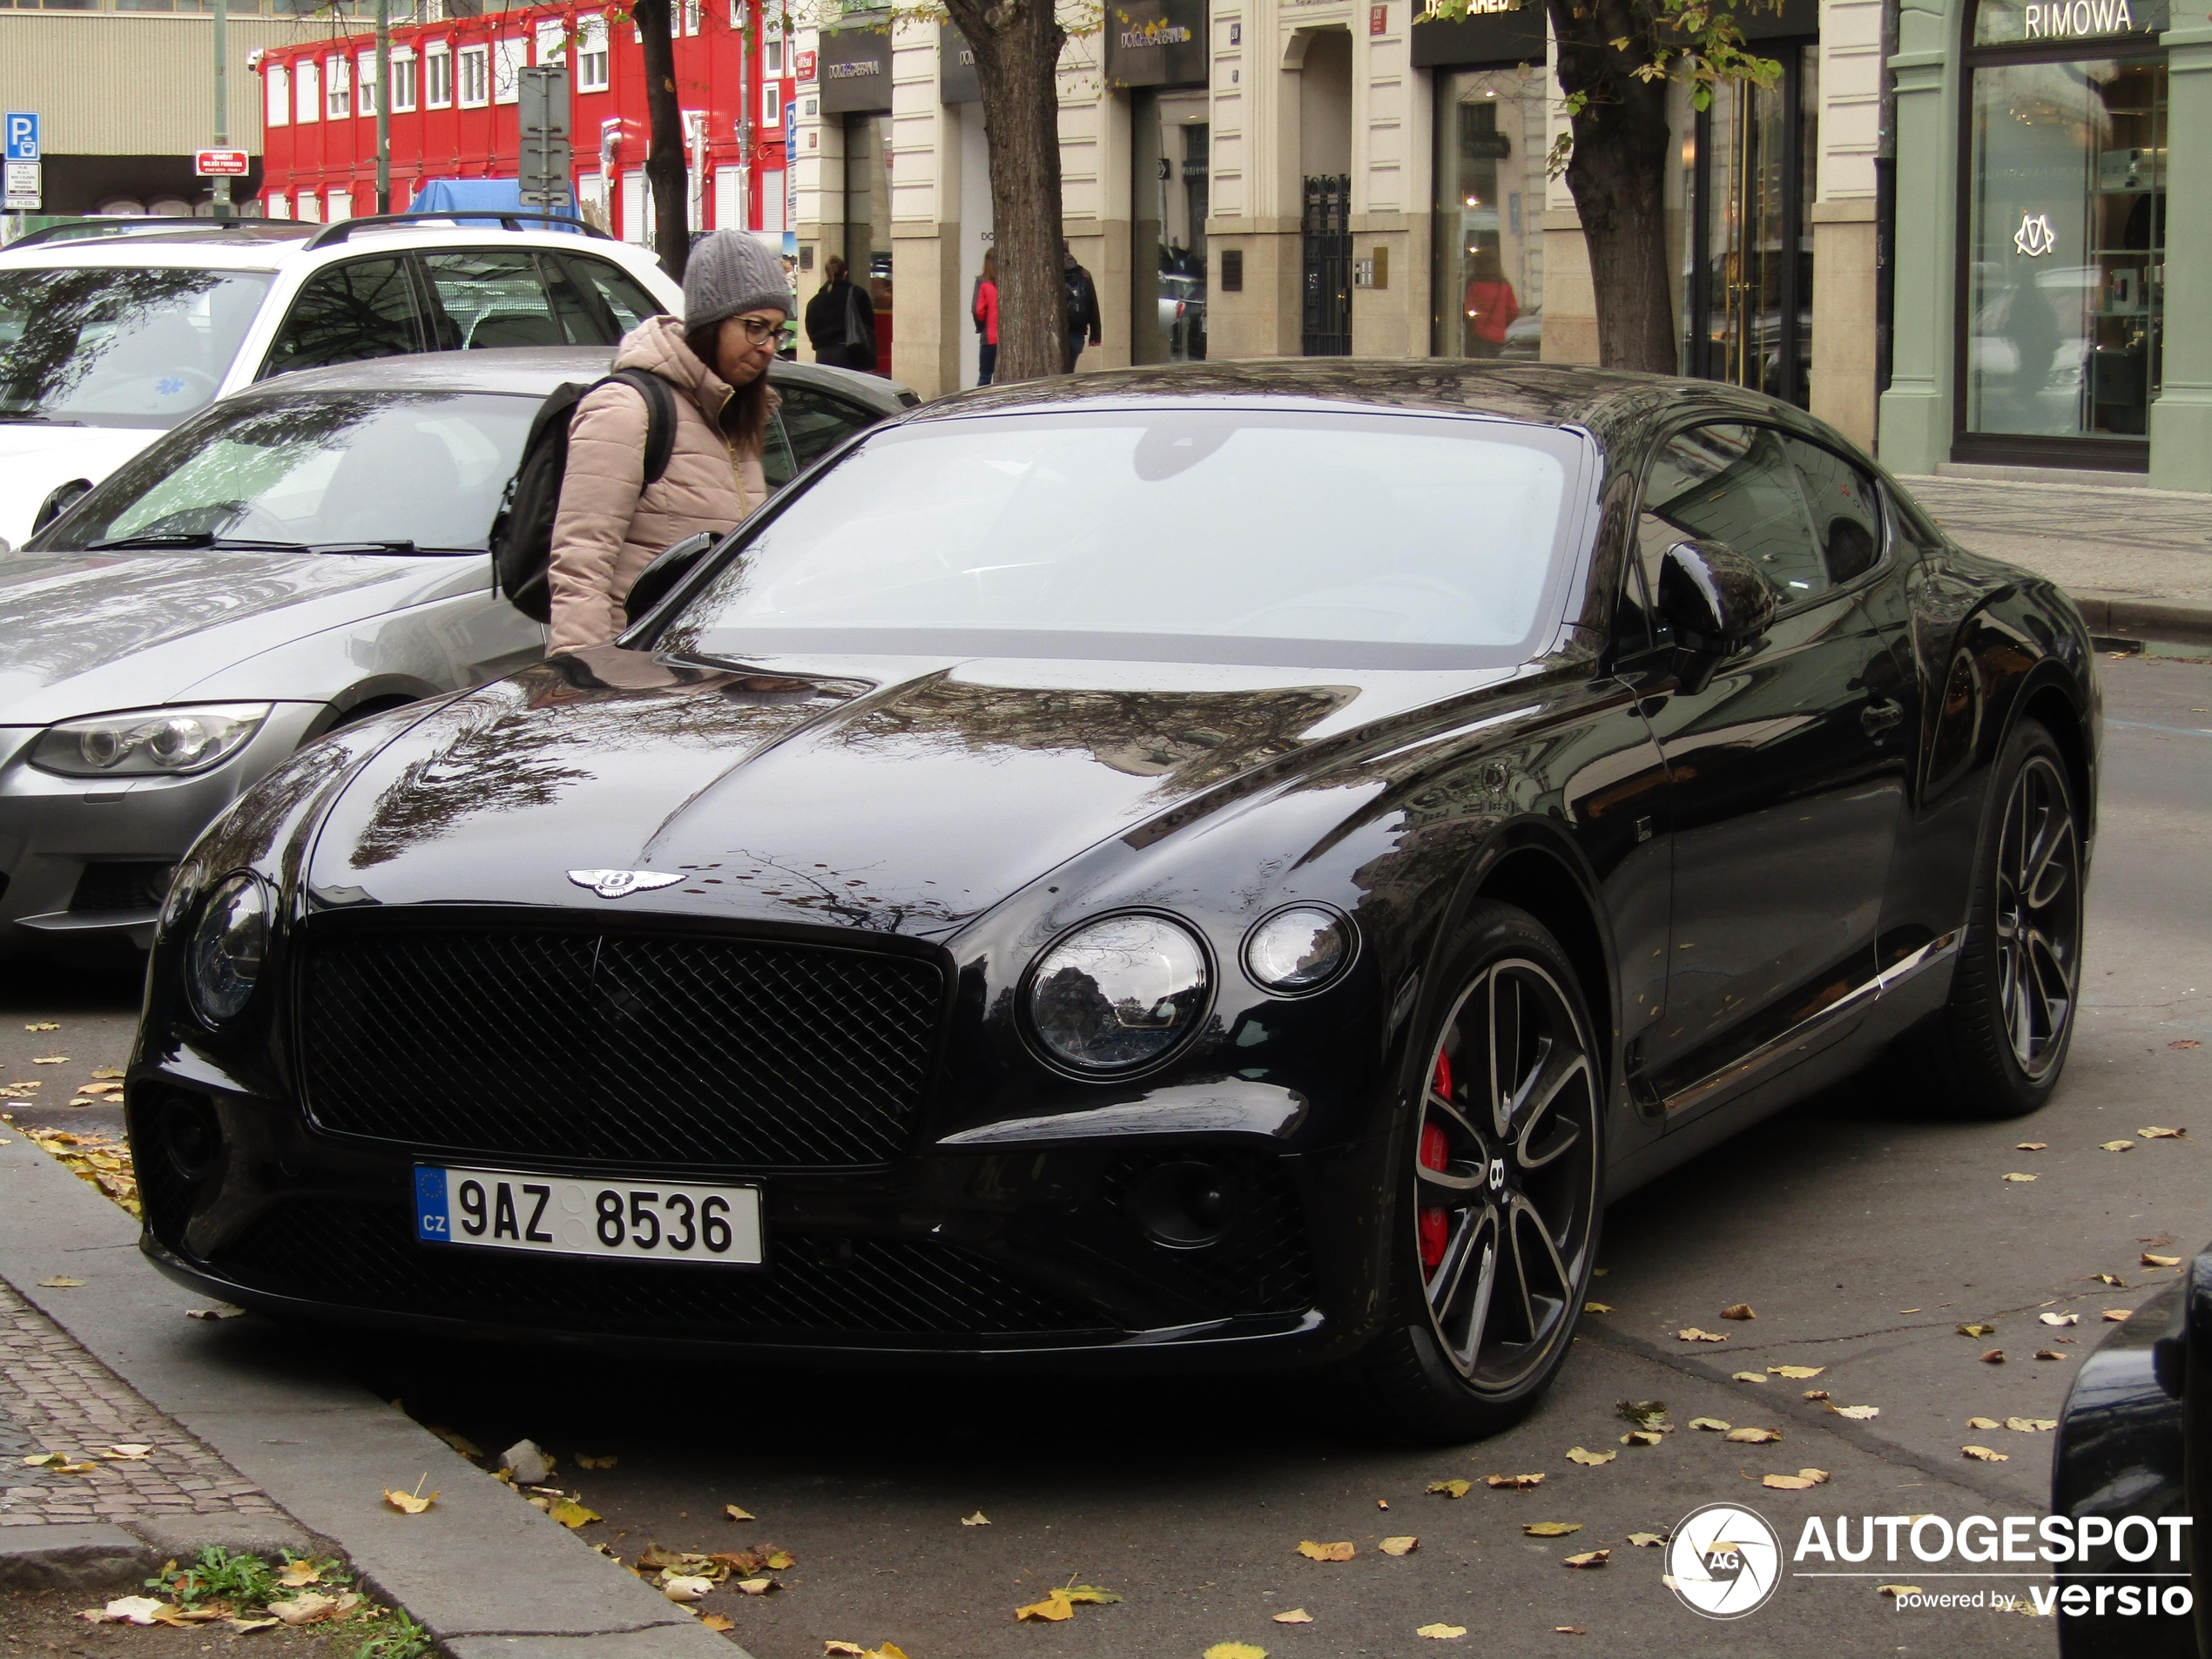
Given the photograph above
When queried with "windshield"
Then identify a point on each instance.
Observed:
(1182, 534)
(342, 468)
(102, 346)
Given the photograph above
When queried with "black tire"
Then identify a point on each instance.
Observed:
(1473, 1190)
(1999, 1045)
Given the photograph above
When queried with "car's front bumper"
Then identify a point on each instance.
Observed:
(53, 829)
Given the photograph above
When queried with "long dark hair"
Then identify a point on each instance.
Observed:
(744, 417)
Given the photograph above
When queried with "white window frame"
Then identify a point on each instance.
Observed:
(509, 54)
(310, 208)
(437, 75)
(550, 44)
(476, 58)
(775, 58)
(338, 87)
(689, 16)
(365, 77)
(772, 105)
(594, 64)
(406, 86)
(307, 93)
(276, 204)
(433, 10)
(276, 95)
(338, 205)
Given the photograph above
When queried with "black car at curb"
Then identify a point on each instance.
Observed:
(1227, 865)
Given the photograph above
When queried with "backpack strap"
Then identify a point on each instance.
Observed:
(660, 416)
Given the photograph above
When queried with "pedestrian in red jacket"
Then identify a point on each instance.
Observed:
(1490, 306)
(987, 317)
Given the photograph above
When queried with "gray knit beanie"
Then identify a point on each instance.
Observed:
(730, 271)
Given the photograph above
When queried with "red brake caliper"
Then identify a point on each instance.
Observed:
(1435, 1154)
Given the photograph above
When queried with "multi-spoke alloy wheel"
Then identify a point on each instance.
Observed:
(1505, 1176)
(2037, 917)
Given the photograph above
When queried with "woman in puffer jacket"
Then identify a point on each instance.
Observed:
(612, 524)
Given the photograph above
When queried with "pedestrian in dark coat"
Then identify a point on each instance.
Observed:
(840, 320)
(1080, 313)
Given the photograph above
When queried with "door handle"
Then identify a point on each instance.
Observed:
(1877, 717)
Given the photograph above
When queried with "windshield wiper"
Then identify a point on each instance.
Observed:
(191, 539)
(37, 419)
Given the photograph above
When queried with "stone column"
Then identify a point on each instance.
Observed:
(1917, 410)
(2180, 417)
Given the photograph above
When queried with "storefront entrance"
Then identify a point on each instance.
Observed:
(1168, 177)
(1488, 236)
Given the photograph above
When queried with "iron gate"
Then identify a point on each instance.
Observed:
(1327, 228)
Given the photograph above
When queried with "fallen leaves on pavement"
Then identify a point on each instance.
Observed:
(1296, 1616)
(1399, 1546)
(2112, 1279)
(686, 1587)
(1584, 1454)
(1644, 1413)
(2032, 1146)
(1815, 1394)
(1442, 1632)
(1898, 1590)
(297, 1575)
(2031, 1425)
(1691, 1333)
(51, 1060)
(1796, 1374)
(2150, 1260)
(979, 1519)
(2016, 1176)
(60, 1283)
(1983, 1422)
(1450, 1488)
(2153, 1132)
(1235, 1650)
(313, 1606)
(1983, 1454)
(410, 1503)
(2120, 1315)
(1647, 1540)
(1642, 1437)
(1587, 1558)
(2060, 1318)
(2116, 1146)
(2046, 1353)
(1711, 1425)
(1739, 1311)
(128, 1609)
(1748, 1376)
(1856, 1413)
(1754, 1436)
(98, 1158)
(1518, 1482)
(127, 1452)
(845, 1649)
(44, 1025)
(1550, 1528)
(1597, 1307)
(1803, 1480)
(717, 1623)
(731, 1512)
(572, 1514)
(1061, 1604)
(1995, 1357)
(1336, 1552)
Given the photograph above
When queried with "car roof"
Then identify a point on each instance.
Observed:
(1559, 395)
(268, 243)
(534, 371)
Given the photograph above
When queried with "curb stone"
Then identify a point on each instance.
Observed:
(101, 1555)
(488, 1575)
(2145, 620)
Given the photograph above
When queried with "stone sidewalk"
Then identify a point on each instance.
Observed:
(2140, 559)
(56, 1398)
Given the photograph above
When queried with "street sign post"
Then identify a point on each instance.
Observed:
(22, 131)
(544, 175)
(221, 163)
(25, 190)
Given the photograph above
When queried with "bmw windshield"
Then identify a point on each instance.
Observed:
(120, 346)
(1174, 534)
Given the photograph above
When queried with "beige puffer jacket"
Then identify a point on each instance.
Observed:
(610, 524)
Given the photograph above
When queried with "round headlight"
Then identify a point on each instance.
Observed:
(1119, 992)
(228, 948)
(1298, 949)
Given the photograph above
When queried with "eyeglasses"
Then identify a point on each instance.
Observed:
(758, 329)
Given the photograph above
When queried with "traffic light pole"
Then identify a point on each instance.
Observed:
(222, 101)
(383, 105)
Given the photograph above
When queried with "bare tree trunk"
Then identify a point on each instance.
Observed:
(1618, 175)
(665, 150)
(1018, 57)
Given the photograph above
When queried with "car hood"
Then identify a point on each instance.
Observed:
(82, 633)
(904, 797)
(34, 458)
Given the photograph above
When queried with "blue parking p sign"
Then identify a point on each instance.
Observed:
(22, 135)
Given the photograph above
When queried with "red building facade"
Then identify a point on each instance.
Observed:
(454, 106)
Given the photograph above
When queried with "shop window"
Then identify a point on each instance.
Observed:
(868, 218)
(1488, 234)
(591, 66)
(307, 106)
(475, 70)
(508, 57)
(1168, 179)
(277, 93)
(437, 76)
(338, 88)
(403, 80)
(2063, 279)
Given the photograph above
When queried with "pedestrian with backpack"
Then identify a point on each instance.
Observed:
(985, 309)
(704, 423)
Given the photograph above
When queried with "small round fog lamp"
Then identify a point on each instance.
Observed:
(1298, 949)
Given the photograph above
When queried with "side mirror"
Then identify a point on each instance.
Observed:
(59, 501)
(1714, 597)
(670, 566)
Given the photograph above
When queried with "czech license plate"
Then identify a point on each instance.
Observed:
(563, 1216)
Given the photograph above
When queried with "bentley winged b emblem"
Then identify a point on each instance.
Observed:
(613, 884)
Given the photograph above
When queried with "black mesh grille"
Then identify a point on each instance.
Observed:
(363, 1256)
(164, 1196)
(105, 887)
(618, 1048)
(1263, 1264)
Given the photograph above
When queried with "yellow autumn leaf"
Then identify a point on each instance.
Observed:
(1712, 1425)
(1754, 1436)
(2112, 1146)
(2060, 1318)
(1089, 1594)
(731, 1512)
(1235, 1650)
(2119, 1315)
(979, 1519)
(1691, 1333)
(51, 1060)
(1597, 1307)
(717, 1623)
(1399, 1546)
(1856, 1413)
(2112, 1279)
(1055, 1608)
(1550, 1528)
(60, 1283)
(2031, 1425)
(1976, 1330)
(1983, 1454)
(684, 1586)
(1647, 1540)
(1803, 1480)
(1587, 1558)
(44, 1025)
(299, 1574)
(1442, 1632)
(1739, 1311)
(573, 1515)
(1983, 1422)
(1642, 1437)
(2032, 1146)
(1898, 1590)
(1313, 1552)
(1798, 1374)
(1450, 1488)
(130, 1451)
(409, 1503)
(754, 1586)
(2154, 1133)
(1519, 1482)
(2150, 1260)
(1296, 1616)
(1748, 1376)
(2016, 1176)
(1584, 1454)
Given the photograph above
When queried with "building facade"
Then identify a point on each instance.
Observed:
(455, 106)
(1285, 177)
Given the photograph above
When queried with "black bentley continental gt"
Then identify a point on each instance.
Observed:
(1232, 865)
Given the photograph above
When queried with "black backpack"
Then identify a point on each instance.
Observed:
(522, 533)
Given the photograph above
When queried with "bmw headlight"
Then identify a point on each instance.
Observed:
(148, 743)
(1119, 992)
(228, 948)
(1298, 949)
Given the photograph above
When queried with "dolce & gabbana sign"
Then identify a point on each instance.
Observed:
(1156, 42)
(855, 70)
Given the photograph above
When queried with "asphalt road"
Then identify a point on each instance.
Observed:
(1862, 1233)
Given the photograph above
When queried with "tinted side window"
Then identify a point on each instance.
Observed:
(582, 315)
(1845, 506)
(631, 303)
(347, 313)
(813, 424)
(1735, 484)
(481, 298)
